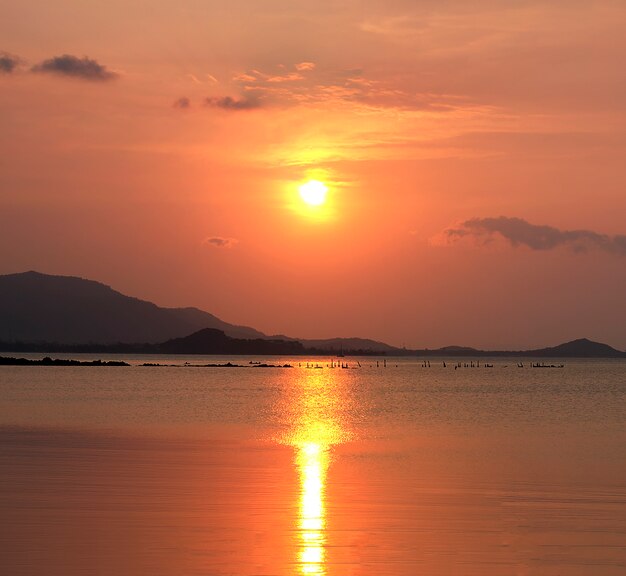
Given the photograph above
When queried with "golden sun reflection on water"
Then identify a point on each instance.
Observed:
(315, 408)
(312, 463)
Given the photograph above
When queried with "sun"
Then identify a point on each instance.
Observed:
(313, 192)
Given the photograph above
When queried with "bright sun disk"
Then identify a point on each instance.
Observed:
(313, 192)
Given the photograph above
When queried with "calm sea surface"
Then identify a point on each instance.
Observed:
(402, 470)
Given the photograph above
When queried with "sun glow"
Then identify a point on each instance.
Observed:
(313, 192)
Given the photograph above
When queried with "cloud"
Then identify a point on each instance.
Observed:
(249, 77)
(74, 67)
(281, 78)
(230, 103)
(257, 77)
(182, 103)
(220, 242)
(306, 84)
(519, 232)
(305, 66)
(8, 63)
(208, 78)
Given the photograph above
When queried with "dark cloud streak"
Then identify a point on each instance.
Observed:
(519, 232)
(8, 63)
(220, 242)
(230, 103)
(71, 66)
(182, 103)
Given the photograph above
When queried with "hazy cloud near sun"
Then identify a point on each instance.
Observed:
(221, 242)
(8, 63)
(519, 232)
(72, 66)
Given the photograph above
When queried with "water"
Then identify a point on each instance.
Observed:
(401, 470)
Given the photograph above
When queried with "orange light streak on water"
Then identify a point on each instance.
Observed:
(315, 409)
(312, 462)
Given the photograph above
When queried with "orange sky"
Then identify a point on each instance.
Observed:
(474, 154)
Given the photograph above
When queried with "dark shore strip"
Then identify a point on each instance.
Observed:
(47, 361)
(226, 365)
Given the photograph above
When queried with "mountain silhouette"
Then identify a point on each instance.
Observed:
(37, 307)
(580, 348)
(40, 312)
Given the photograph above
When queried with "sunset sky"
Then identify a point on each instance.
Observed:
(474, 154)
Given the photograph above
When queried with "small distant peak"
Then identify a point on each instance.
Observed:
(32, 275)
(36, 274)
(213, 331)
(583, 341)
(38, 279)
(455, 348)
(28, 273)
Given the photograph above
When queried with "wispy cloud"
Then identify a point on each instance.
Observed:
(519, 232)
(221, 242)
(284, 75)
(305, 66)
(182, 103)
(305, 83)
(74, 67)
(204, 79)
(230, 103)
(8, 63)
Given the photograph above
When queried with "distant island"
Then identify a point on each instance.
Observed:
(44, 313)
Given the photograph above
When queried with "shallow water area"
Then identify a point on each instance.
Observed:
(366, 470)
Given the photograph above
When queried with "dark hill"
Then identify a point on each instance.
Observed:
(581, 348)
(457, 350)
(38, 307)
(350, 345)
(211, 341)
